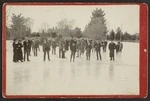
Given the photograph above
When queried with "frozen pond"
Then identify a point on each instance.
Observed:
(82, 77)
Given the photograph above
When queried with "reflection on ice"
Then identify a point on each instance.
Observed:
(111, 70)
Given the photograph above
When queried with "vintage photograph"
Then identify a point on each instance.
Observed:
(72, 49)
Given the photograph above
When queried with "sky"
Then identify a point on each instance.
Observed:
(124, 16)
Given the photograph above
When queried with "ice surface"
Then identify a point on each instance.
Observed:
(82, 77)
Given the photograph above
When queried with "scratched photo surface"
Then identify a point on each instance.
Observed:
(72, 50)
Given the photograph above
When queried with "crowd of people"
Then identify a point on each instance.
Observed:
(22, 48)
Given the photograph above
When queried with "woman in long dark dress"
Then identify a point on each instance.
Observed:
(15, 51)
(19, 51)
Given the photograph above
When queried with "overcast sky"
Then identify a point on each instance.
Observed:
(124, 16)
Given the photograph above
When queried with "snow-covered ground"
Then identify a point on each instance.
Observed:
(82, 77)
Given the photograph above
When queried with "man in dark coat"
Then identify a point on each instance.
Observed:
(117, 47)
(88, 50)
(19, 51)
(73, 48)
(46, 49)
(26, 49)
(98, 50)
(112, 48)
(15, 51)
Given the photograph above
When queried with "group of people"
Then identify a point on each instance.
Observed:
(22, 48)
(20, 54)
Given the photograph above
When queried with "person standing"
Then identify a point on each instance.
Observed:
(73, 47)
(61, 45)
(36, 47)
(112, 48)
(88, 50)
(117, 47)
(63, 49)
(15, 51)
(46, 49)
(26, 49)
(54, 47)
(67, 45)
(121, 47)
(98, 50)
(30, 44)
(105, 45)
(82, 46)
(78, 48)
(19, 51)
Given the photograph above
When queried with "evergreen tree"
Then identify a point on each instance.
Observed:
(97, 26)
(126, 36)
(112, 35)
(77, 32)
(118, 34)
(19, 27)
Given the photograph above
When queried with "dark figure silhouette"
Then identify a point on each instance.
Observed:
(98, 50)
(73, 47)
(19, 51)
(46, 49)
(54, 47)
(26, 49)
(15, 51)
(112, 48)
(36, 47)
(88, 50)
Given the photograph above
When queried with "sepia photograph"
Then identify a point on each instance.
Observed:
(72, 50)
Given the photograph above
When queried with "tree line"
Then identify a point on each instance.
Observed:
(120, 36)
(96, 29)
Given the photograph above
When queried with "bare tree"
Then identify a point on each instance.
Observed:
(65, 27)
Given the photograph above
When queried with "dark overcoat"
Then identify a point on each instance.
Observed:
(26, 45)
(46, 46)
(112, 47)
(14, 52)
(73, 45)
(97, 47)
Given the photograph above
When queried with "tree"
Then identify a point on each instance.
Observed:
(54, 34)
(44, 27)
(77, 32)
(118, 34)
(8, 33)
(96, 28)
(112, 35)
(20, 26)
(64, 27)
(126, 36)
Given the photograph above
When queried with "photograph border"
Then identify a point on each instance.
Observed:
(143, 56)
